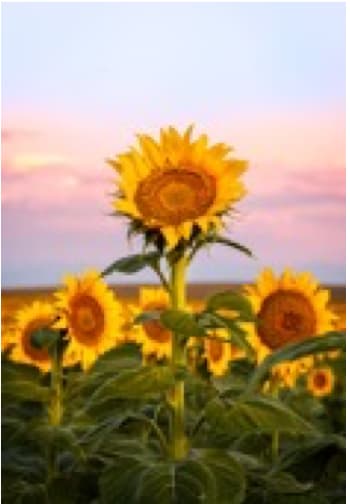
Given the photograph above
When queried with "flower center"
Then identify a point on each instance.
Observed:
(153, 328)
(286, 317)
(216, 350)
(320, 380)
(34, 353)
(86, 319)
(173, 196)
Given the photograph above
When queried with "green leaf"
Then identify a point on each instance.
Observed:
(142, 478)
(123, 357)
(255, 415)
(318, 344)
(233, 244)
(147, 316)
(134, 384)
(231, 300)
(44, 337)
(181, 322)
(132, 264)
(228, 473)
(24, 390)
(235, 333)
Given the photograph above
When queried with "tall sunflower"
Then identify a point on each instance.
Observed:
(289, 309)
(176, 184)
(154, 338)
(218, 352)
(38, 315)
(92, 315)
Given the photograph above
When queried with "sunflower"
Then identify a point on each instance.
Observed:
(218, 352)
(177, 184)
(289, 309)
(92, 315)
(154, 338)
(38, 315)
(320, 381)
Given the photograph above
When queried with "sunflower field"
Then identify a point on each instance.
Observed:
(237, 399)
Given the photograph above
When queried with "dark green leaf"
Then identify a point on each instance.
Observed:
(255, 414)
(134, 383)
(25, 390)
(44, 337)
(231, 300)
(132, 264)
(235, 333)
(147, 316)
(229, 243)
(318, 344)
(228, 473)
(181, 322)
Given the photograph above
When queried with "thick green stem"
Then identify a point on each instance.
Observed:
(178, 298)
(275, 441)
(56, 410)
(55, 407)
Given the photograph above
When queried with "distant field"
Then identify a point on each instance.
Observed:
(13, 299)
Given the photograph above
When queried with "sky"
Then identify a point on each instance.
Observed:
(80, 80)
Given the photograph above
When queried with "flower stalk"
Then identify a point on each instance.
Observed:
(178, 300)
(56, 409)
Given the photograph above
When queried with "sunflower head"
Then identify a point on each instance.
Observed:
(38, 315)
(153, 337)
(289, 309)
(92, 315)
(218, 352)
(177, 186)
(320, 381)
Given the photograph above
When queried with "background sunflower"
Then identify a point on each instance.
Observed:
(153, 337)
(289, 309)
(37, 315)
(92, 315)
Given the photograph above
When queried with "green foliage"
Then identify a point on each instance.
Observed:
(132, 264)
(112, 445)
(256, 414)
(206, 475)
(181, 322)
(231, 300)
(333, 340)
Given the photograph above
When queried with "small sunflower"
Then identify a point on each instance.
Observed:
(289, 309)
(38, 315)
(320, 381)
(177, 183)
(218, 352)
(92, 315)
(154, 338)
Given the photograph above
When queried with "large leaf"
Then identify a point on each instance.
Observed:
(181, 322)
(235, 333)
(231, 300)
(255, 415)
(139, 383)
(132, 264)
(25, 390)
(318, 344)
(228, 473)
(205, 476)
(213, 237)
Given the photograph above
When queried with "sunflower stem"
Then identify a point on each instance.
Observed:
(275, 440)
(56, 410)
(178, 299)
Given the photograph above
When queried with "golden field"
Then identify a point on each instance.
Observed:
(14, 299)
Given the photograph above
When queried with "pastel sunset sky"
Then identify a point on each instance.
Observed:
(80, 80)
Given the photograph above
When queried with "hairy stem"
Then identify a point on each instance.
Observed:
(178, 299)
